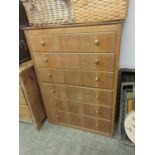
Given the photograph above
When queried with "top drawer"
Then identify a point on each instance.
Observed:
(83, 42)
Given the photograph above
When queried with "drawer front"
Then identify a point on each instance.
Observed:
(97, 111)
(76, 120)
(103, 62)
(24, 114)
(57, 116)
(77, 77)
(22, 100)
(51, 104)
(97, 124)
(80, 121)
(86, 42)
(79, 108)
(81, 94)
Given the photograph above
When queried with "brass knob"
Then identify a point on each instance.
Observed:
(96, 111)
(97, 79)
(96, 124)
(42, 42)
(97, 62)
(52, 91)
(96, 42)
(45, 59)
(49, 75)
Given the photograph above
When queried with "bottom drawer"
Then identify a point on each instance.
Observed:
(24, 114)
(79, 121)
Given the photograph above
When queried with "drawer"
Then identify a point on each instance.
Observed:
(22, 100)
(80, 121)
(97, 124)
(74, 93)
(63, 105)
(79, 108)
(103, 62)
(62, 117)
(84, 42)
(57, 116)
(97, 111)
(51, 104)
(97, 79)
(76, 120)
(24, 114)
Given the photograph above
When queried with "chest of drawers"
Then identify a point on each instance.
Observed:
(77, 69)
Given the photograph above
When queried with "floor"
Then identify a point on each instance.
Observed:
(59, 140)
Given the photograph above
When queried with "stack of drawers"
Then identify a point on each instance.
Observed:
(77, 72)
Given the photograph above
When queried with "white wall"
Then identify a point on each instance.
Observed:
(127, 52)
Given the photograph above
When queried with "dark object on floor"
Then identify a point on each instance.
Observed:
(125, 75)
(127, 92)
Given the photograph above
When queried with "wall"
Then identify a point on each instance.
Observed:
(127, 55)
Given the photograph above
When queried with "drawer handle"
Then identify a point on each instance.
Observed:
(96, 124)
(96, 111)
(49, 75)
(97, 79)
(55, 104)
(97, 62)
(96, 42)
(58, 116)
(97, 97)
(45, 60)
(42, 42)
(52, 91)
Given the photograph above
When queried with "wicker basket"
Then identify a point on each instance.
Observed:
(54, 12)
(87, 11)
(48, 12)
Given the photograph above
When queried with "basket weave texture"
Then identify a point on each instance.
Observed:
(54, 12)
(48, 12)
(99, 10)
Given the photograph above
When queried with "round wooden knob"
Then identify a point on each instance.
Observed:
(96, 124)
(97, 62)
(97, 79)
(55, 104)
(42, 42)
(52, 91)
(49, 75)
(96, 111)
(96, 42)
(58, 116)
(45, 59)
(97, 97)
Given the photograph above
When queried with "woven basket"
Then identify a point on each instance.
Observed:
(87, 11)
(54, 12)
(48, 12)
